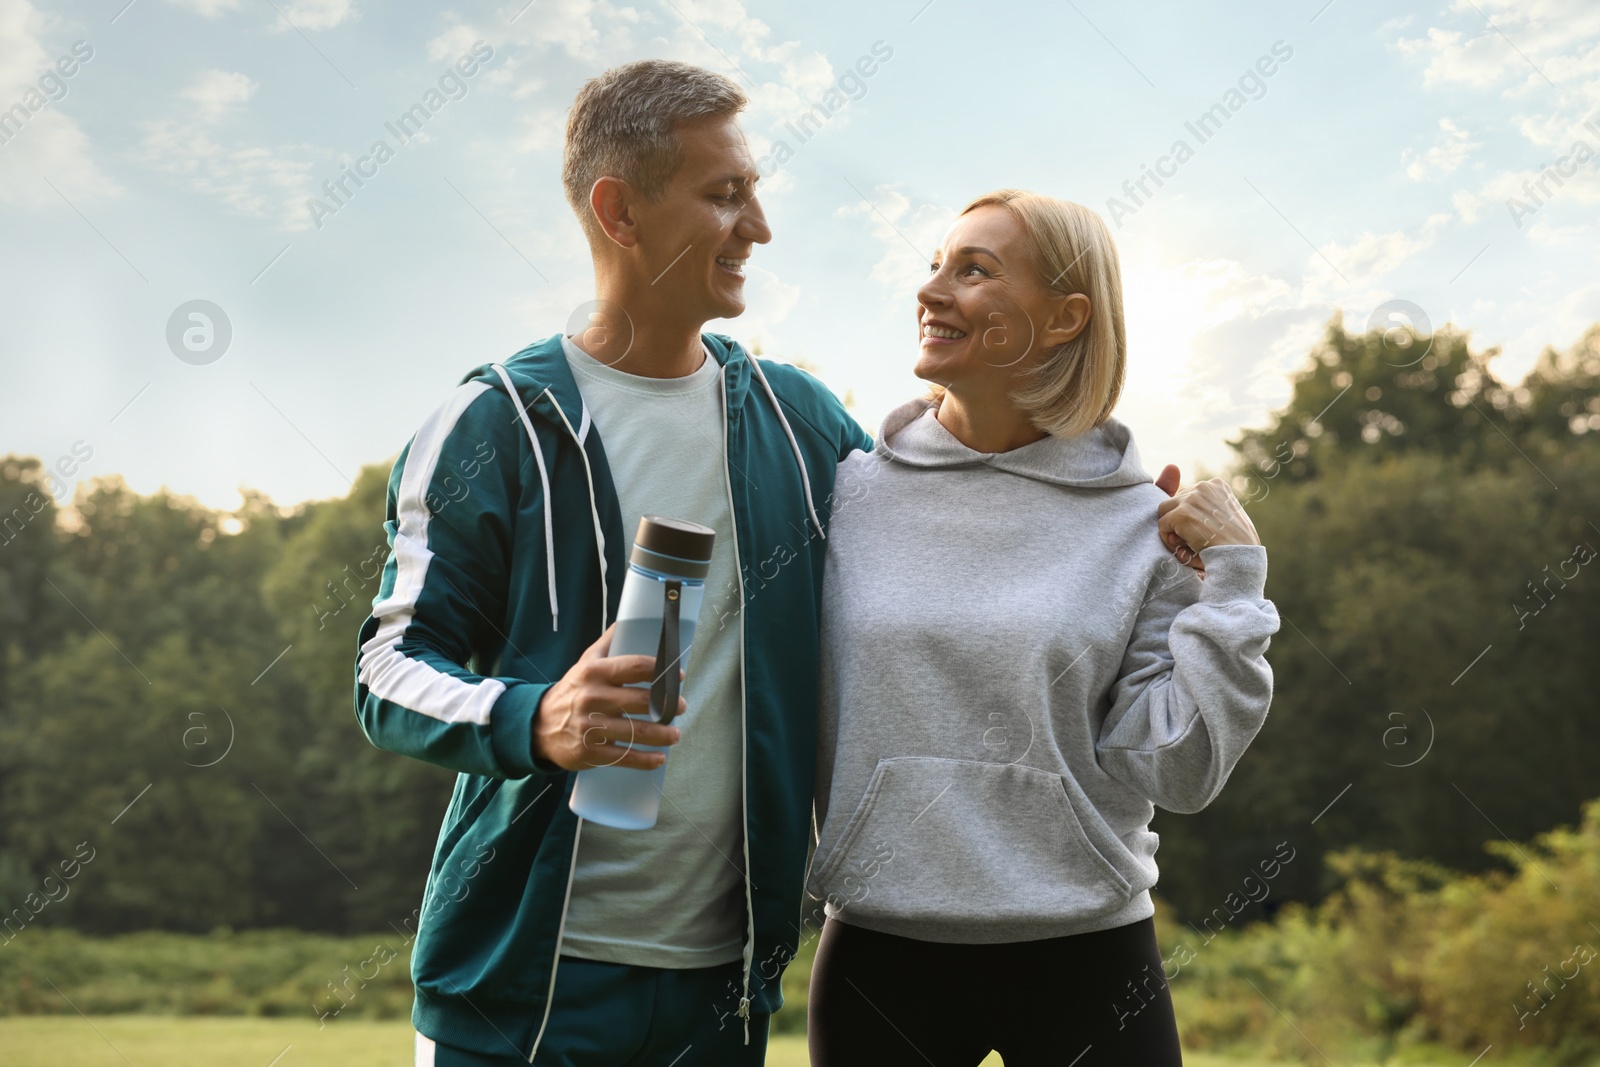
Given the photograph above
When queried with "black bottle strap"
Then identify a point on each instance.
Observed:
(664, 689)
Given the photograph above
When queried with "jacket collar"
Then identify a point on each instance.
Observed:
(543, 365)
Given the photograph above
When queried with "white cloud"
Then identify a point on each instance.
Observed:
(729, 17)
(575, 27)
(1540, 319)
(454, 43)
(1444, 156)
(804, 76)
(303, 15)
(1517, 44)
(909, 235)
(208, 8)
(253, 180)
(42, 138)
(544, 129)
(250, 179)
(1533, 191)
(315, 14)
(1340, 268)
(1210, 347)
(808, 74)
(55, 147)
(1545, 130)
(215, 91)
(1453, 58)
(1468, 205)
(781, 79)
(22, 54)
(1545, 233)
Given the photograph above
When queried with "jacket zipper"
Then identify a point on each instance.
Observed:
(744, 747)
(572, 865)
(744, 726)
(555, 961)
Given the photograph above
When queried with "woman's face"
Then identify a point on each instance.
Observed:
(984, 314)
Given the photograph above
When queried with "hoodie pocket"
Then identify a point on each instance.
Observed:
(985, 845)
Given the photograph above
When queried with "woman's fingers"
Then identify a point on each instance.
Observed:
(1204, 515)
(1167, 481)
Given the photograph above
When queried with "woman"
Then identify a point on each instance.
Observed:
(1015, 672)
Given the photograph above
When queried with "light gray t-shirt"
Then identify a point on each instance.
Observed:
(672, 896)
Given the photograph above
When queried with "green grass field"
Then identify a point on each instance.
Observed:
(173, 1041)
(170, 1041)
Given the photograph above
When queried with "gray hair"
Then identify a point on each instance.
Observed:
(623, 124)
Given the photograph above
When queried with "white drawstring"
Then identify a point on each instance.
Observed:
(544, 483)
(805, 479)
(594, 507)
(594, 511)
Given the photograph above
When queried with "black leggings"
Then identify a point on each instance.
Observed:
(1081, 1001)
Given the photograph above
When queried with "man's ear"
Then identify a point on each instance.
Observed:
(1069, 315)
(611, 201)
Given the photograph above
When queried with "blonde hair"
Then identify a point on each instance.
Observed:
(1073, 388)
(623, 124)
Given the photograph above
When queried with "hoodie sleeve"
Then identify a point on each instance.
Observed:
(453, 496)
(1194, 683)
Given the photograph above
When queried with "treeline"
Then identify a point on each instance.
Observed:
(176, 727)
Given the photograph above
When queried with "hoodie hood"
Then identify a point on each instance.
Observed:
(1101, 458)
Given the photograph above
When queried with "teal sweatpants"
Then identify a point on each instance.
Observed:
(614, 1015)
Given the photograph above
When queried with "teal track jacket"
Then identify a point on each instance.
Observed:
(507, 556)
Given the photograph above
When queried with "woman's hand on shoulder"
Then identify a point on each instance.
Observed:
(1200, 517)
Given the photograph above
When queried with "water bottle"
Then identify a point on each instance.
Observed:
(661, 599)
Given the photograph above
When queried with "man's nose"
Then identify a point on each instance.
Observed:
(752, 224)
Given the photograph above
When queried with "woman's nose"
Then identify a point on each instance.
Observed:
(932, 293)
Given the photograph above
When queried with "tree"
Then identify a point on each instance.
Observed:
(390, 807)
(1417, 571)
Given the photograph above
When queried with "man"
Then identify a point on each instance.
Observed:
(543, 937)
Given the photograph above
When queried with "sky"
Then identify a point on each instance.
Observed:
(162, 152)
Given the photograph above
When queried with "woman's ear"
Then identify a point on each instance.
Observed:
(609, 200)
(1069, 315)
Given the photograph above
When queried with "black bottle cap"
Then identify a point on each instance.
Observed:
(673, 546)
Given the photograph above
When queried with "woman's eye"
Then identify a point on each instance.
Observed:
(975, 267)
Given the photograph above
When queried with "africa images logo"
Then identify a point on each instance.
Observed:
(1252, 85)
(453, 85)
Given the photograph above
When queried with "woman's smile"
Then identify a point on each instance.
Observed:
(935, 332)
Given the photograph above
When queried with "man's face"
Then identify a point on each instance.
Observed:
(696, 238)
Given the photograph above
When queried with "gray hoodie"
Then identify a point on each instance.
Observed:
(1015, 671)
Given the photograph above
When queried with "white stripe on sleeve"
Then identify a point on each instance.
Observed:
(384, 670)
